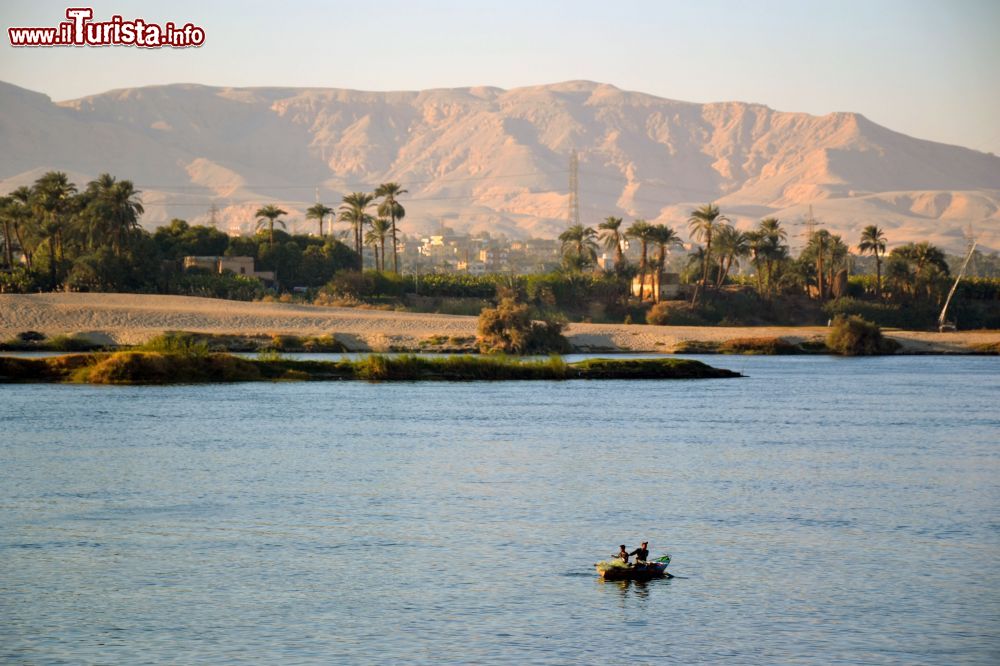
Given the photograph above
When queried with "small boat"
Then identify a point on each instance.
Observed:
(639, 571)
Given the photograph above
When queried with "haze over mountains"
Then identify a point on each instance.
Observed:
(498, 160)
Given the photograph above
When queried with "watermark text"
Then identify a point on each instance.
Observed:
(81, 30)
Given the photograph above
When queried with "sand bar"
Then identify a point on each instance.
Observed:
(127, 319)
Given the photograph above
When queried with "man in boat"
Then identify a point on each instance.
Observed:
(622, 554)
(641, 553)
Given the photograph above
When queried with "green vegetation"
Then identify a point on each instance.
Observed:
(177, 342)
(510, 329)
(184, 342)
(853, 336)
(768, 346)
(155, 367)
(56, 236)
(35, 341)
(762, 345)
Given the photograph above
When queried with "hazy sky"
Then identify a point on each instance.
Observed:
(930, 69)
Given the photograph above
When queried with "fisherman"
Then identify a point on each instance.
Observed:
(641, 553)
(622, 554)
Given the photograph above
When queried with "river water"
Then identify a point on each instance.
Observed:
(821, 510)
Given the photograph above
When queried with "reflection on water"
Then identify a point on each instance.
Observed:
(820, 510)
(639, 589)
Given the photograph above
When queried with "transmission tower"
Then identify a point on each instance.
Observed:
(574, 188)
(811, 224)
(213, 213)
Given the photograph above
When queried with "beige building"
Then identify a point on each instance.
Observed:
(236, 265)
(657, 286)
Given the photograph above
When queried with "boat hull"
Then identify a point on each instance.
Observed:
(633, 572)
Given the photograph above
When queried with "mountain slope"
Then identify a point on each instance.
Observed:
(486, 158)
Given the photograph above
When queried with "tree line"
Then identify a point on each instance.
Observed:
(913, 270)
(367, 229)
(55, 235)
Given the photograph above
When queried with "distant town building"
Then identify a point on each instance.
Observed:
(236, 265)
(657, 286)
(471, 267)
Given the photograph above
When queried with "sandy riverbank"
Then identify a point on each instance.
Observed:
(127, 319)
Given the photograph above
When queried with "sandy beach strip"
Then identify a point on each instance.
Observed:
(127, 319)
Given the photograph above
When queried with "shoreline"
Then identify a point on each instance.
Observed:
(126, 320)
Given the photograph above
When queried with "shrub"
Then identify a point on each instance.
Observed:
(853, 336)
(658, 315)
(509, 328)
(696, 347)
(282, 343)
(166, 368)
(323, 343)
(674, 314)
(176, 342)
(226, 285)
(896, 315)
(352, 285)
(70, 343)
(18, 281)
(758, 346)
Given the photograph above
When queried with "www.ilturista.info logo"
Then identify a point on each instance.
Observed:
(79, 30)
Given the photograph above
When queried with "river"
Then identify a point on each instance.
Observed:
(820, 510)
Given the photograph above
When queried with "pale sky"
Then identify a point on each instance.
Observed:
(930, 69)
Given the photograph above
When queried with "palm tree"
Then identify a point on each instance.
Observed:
(125, 211)
(372, 239)
(578, 243)
(873, 241)
(613, 237)
(6, 204)
(703, 223)
(394, 211)
(642, 231)
(731, 244)
(317, 212)
(111, 210)
(817, 247)
(838, 259)
(376, 236)
(51, 200)
(774, 249)
(925, 265)
(665, 238)
(353, 211)
(19, 214)
(757, 245)
(828, 251)
(268, 215)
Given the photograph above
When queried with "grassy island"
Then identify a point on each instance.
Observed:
(143, 367)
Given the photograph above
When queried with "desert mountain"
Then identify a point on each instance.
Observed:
(486, 158)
